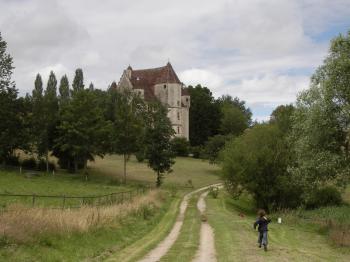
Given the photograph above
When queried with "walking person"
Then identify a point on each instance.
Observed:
(262, 223)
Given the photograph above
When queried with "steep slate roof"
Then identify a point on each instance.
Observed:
(146, 79)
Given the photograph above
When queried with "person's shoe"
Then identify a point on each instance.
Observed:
(265, 248)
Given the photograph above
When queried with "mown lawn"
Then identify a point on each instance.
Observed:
(236, 240)
(200, 172)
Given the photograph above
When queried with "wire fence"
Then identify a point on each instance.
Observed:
(63, 201)
(66, 201)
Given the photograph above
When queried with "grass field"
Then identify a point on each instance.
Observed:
(236, 240)
(200, 172)
(93, 245)
(48, 184)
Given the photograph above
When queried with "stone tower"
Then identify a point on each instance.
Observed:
(161, 84)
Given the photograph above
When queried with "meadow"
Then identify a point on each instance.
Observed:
(95, 233)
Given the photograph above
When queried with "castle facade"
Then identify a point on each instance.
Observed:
(161, 84)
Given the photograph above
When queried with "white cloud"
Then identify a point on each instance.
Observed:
(245, 48)
(201, 76)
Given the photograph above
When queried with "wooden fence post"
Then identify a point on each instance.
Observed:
(64, 201)
(33, 200)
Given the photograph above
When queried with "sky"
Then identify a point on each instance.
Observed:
(262, 51)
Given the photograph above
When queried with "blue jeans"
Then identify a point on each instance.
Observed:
(262, 240)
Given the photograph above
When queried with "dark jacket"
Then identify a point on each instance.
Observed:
(262, 223)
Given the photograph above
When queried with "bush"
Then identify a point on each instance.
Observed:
(140, 156)
(326, 196)
(42, 165)
(12, 160)
(213, 147)
(214, 191)
(29, 163)
(196, 151)
(180, 146)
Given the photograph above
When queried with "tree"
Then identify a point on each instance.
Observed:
(257, 162)
(11, 118)
(64, 89)
(240, 104)
(233, 120)
(50, 112)
(282, 116)
(127, 131)
(213, 147)
(38, 116)
(78, 82)
(82, 132)
(180, 146)
(158, 135)
(321, 122)
(204, 117)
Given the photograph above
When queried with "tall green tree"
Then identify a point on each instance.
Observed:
(38, 116)
(83, 132)
(127, 132)
(11, 120)
(256, 162)
(322, 122)
(233, 120)
(282, 116)
(64, 90)
(78, 82)
(51, 118)
(158, 135)
(205, 115)
(237, 103)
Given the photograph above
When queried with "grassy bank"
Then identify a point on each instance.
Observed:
(56, 237)
(235, 239)
(200, 172)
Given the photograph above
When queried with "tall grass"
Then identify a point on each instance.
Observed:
(21, 224)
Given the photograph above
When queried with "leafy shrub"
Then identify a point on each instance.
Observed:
(42, 165)
(213, 147)
(140, 156)
(12, 160)
(196, 151)
(180, 146)
(29, 163)
(326, 196)
(214, 191)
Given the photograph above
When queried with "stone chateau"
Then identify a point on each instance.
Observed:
(163, 84)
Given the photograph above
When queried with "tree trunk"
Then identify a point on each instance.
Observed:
(85, 170)
(158, 179)
(47, 161)
(75, 165)
(125, 159)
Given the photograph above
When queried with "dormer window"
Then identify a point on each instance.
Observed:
(137, 78)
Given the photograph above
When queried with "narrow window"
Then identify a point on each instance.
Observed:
(178, 103)
(186, 99)
(178, 116)
(178, 130)
(164, 86)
